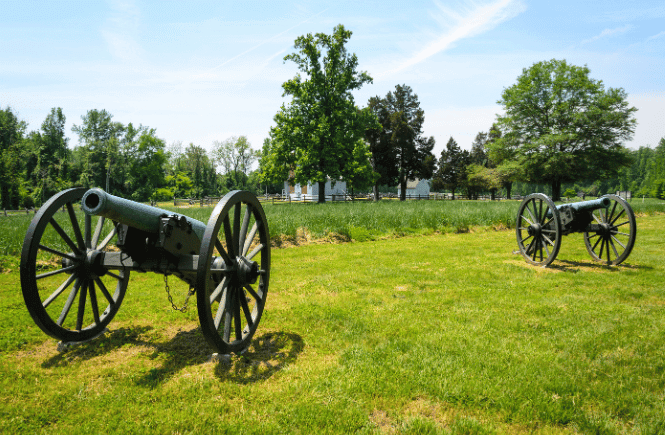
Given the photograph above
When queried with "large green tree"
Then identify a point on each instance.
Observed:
(235, 156)
(400, 151)
(316, 133)
(11, 162)
(563, 126)
(452, 171)
(99, 141)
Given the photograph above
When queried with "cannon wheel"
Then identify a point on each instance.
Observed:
(63, 285)
(235, 254)
(613, 243)
(538, 229)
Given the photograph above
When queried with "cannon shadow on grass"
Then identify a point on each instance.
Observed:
(576, 266)
(267, 354)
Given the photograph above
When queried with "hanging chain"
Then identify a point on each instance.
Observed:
(168, 292)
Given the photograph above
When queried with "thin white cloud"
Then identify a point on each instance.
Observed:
(608, 32)
(119, 30)
(656, 36)
(470, 20)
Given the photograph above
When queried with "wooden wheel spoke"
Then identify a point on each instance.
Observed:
(611, 215)
(221, 309)
(59, 291)
(598, 221)
(75, 226)
(596, 244)
(617, 216)
(64, 236)
(118, 277)
(610, 242)
(228, 235)
(620, 233)
(255, 251)
(104, 291)
(87, 231)
(227, 316)
(524, 239)
(619, 242)
(548, 240)
(540, 211)
(620, 225)
(98, 232)
(250, 238)
(246, 312)
(236, 315)
(108, 238)
(222, 252)
(243, 229)
(56, 252)
(217, 293)
(236, 228)
(547, 250)
(69, 302)
(55, 272)
(533, 218)
(93, 302)
(81, 311)
(258, 297)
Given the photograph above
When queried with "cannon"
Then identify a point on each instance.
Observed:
(608, 224)
(75, 265)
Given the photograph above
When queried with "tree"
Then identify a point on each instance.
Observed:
(564, 126)
(236, 157)
(452, 172)
(11, 136)
(315, 135)
(147, 165)
(98, 135)
(399, 150)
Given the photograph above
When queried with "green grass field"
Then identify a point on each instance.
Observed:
(437, 333)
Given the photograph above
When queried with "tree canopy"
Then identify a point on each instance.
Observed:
(317, 132)
(399, 150)
(563, 126)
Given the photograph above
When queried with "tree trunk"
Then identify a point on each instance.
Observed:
(402, 185)
(322, 192)
(376, 193)
(453, 191)
(556, 190)
(509, 187)
(492, 194)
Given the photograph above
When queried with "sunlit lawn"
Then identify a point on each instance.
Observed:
(447, 333)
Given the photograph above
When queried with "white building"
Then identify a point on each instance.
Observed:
(415, 187)
(310, 192)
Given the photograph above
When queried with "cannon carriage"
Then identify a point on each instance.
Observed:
(75, 266)
(608, 225)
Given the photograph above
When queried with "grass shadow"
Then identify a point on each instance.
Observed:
(101, 345)
(576, 266)
(267, 354)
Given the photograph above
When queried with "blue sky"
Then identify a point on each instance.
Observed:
(200, 71)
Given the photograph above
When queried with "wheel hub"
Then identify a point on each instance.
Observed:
(534, 229)
(248, 271)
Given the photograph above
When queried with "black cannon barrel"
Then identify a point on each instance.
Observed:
(96, 202)
(594, 204)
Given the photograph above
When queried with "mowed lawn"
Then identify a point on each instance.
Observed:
(449, 333)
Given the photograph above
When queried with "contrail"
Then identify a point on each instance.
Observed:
(264, 42)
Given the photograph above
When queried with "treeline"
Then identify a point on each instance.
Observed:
(126, 160)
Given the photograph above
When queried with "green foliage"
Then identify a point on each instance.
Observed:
(570, 193)
(235, 156)
(399, 150)
(564, 126)
(315, 135)
(452, 171)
